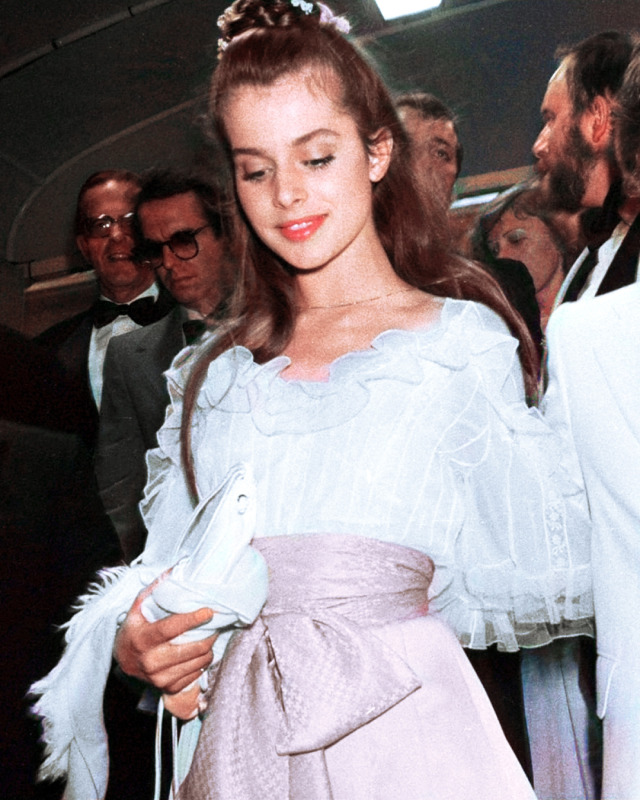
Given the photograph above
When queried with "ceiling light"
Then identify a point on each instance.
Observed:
(392, 9)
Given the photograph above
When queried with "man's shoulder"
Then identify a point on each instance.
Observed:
(589, 311)
(623, 302)
(61, 331)
(48, 440)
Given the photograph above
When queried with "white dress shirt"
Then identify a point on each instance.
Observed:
(100, 338)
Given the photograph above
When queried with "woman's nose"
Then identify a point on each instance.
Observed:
(289, 188)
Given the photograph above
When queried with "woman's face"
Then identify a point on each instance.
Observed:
(529, 240)
(303, 175)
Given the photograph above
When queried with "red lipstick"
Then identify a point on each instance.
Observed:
(300, 229)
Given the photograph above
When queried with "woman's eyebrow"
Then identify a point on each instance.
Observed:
(304, 139)
(246, 151)
(307, 137)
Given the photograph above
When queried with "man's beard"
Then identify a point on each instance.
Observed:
(567, 180)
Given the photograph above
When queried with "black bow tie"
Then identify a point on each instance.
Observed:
(141, 311)
(193, 329)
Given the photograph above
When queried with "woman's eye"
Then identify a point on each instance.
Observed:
(251, 171)
(319, 163)
(253, 175)
(516, 236)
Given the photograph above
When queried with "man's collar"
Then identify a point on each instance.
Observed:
(191, 313)
(150, 291)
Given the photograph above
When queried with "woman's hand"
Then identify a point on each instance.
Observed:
(144, 649)
(184, 704)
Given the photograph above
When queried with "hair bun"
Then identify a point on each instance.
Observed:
(244, 16)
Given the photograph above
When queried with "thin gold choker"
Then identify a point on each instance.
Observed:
(360, 302)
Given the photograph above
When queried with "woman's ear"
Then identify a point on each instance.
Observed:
(380, 150)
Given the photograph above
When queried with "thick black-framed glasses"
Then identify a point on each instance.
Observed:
(101, 227)
(183, 245)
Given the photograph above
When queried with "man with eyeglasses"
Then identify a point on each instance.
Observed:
(129, 295)
(182, 240)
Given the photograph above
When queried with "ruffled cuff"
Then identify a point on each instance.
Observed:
(511, 608)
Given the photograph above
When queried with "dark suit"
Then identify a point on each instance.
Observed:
(134, 401)
(35, 390)
(54, 535)
(68, 342)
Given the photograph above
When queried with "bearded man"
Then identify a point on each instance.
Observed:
(576, 163)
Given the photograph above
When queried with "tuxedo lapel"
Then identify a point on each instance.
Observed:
(73, 356)
(155, 352)
(624, 266)
(569, 278)
(73, 352)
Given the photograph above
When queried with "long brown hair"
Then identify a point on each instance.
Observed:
(263, 41)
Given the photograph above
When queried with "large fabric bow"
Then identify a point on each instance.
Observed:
(299, 680)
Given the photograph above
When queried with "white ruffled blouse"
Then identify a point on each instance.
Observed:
(424, 440)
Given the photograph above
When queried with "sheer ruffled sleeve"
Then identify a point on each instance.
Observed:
(519, 571)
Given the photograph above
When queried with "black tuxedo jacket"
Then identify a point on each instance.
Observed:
(68, 342)
(35, 390)
(54, 535)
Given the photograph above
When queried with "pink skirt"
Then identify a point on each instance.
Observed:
(346, 688)
(442, 742)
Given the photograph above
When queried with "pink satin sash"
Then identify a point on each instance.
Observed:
(308, 671)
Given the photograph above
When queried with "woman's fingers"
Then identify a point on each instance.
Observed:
(176, 679)
(145, 649)
(169, 664)
(183, 704)
(176, 624)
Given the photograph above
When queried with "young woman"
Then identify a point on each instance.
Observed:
(404, 492)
